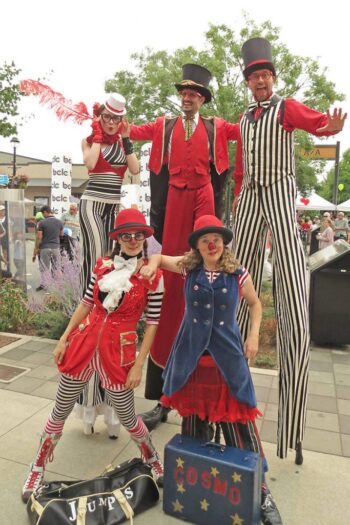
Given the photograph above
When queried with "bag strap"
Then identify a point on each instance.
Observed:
(82, 503)
(124, 505)
(36, 507)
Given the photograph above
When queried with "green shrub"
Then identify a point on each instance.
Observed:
(265, 361)
(13, 309)
(50, 324)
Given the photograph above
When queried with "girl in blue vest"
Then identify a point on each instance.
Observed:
(207, 378)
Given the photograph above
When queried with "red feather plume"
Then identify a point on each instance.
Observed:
(63, 107)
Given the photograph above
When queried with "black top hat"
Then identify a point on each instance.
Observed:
(197, 78)
(257, 54)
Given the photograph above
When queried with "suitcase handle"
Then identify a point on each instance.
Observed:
(218, 446)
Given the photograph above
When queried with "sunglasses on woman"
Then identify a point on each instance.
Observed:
(106, 117)
(138, 236)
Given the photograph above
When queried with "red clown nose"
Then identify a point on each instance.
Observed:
(211, 246)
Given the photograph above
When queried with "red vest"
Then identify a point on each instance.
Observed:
(189, 159)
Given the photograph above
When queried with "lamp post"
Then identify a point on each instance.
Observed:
(14, 141)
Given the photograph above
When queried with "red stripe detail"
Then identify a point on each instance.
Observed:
(262, 61)
(113, 110)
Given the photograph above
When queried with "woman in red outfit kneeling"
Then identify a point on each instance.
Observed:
(101, 337)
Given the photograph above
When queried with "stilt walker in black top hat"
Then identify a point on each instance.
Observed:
(265, 192)
(188, 163)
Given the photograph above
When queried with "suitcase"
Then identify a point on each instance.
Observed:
(209, 483)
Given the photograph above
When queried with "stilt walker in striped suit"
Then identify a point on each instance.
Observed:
(265, 192)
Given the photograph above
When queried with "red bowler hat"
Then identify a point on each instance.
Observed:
(209, 224)
(130, 220)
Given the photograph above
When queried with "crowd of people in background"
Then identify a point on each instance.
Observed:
(325, 228)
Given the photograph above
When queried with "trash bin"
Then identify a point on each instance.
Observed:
(330, 294)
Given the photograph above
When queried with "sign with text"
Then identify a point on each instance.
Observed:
(145, 189)
(319, 152)
(130, 196)
(61, 184)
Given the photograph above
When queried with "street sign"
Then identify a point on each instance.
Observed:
(4, 180)
(326, 152)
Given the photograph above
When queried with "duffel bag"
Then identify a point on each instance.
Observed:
(109, 499)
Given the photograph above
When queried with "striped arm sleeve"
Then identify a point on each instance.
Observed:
(242, 278)
(154, 303)
(88, 298)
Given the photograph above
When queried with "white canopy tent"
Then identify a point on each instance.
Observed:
(344, 206)
(313, 202)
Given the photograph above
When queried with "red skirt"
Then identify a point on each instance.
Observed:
(207, 395)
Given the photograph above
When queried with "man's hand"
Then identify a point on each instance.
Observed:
(335, 122)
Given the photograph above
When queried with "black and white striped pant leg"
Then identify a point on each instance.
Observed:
(250, 230)
(291, 305)
(96, 221)
(123, 402)
(67, 393)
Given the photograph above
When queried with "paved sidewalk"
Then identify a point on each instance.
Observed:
(316, 493)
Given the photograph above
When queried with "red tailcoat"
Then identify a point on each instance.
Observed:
(112, 334)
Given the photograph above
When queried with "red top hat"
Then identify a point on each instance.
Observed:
(130, 220)
(209, 224)
(257, 54)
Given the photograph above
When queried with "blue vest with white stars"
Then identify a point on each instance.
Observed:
(210, 324)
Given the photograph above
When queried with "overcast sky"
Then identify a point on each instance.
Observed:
(80, 44)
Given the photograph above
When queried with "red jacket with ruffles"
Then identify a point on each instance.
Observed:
(112, 334)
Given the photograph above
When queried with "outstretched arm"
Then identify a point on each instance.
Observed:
(165, 262)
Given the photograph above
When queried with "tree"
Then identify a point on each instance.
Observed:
(9, 97)
(326, 189)
(150, 92)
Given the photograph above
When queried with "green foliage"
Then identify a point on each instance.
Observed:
(326, 188)
(13, 310)
(9, 97)
(50, 324)
(265, 361)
